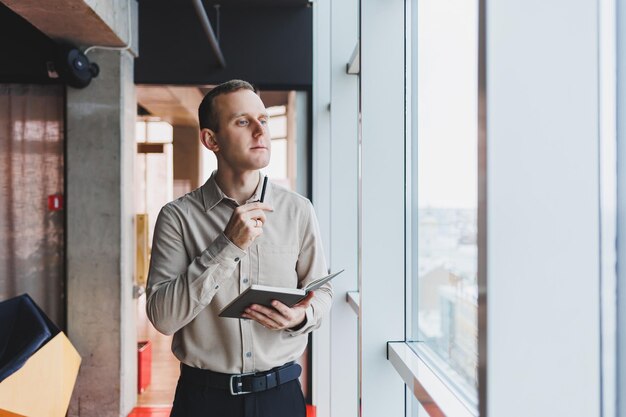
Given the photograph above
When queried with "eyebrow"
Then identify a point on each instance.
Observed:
(236, 115)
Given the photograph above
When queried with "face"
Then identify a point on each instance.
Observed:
(243, 141)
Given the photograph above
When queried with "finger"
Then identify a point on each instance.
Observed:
(307, 300)
(282, 308)
(271, 313)
(257, 214)
(249, 218)
(240, 217)
(267, 311)
(255, 233)
(263, 319)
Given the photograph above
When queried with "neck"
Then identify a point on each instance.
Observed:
(239, 186)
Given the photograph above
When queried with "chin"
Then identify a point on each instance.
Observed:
(263, 164)
(256, 165)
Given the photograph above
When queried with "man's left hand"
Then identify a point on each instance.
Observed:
(280, 317)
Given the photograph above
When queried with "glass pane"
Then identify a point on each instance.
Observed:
(445, 137)
(278, 126)
(277, 169)
(140, 131)
(159, 132)
(276, 110)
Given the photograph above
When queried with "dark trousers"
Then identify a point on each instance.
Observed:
(195, 400)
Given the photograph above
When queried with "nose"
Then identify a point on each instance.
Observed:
(259, 128)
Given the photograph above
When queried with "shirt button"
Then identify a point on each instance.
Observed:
(248, 354)
(237, 259)
(217, 286)
(245, 280)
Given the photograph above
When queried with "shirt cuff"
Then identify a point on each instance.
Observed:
(224, 251)
(219, 261)
(306, 326)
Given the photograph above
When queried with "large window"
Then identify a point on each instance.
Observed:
(443, 200)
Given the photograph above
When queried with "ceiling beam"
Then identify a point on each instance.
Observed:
(176, 105)
(82, 22)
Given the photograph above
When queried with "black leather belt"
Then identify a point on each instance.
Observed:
(239, 384)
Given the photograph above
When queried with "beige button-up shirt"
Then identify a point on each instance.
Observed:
(195, 271)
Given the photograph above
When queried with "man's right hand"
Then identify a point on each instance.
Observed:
(246, 224)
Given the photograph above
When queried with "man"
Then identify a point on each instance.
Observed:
(212, 244)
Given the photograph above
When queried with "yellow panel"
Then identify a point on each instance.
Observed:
(142, 262)
(43, 386)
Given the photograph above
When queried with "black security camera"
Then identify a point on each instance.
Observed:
(74, 67)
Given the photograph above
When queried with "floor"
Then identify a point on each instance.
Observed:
(150, 412)
(165, 412)
(165, 367)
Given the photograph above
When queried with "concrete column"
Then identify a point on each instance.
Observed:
(100, 237)
(187, 155)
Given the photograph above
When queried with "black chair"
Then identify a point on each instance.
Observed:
(24, 328)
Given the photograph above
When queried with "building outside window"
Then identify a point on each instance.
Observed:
(442, 205)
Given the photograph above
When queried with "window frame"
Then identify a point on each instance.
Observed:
(429, 386)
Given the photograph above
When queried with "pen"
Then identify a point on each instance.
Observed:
(263, 189)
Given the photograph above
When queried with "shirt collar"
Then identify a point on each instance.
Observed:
(212, 194)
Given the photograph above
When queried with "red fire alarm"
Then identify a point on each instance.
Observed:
(55, 202)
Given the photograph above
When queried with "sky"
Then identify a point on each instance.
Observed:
(447, 81)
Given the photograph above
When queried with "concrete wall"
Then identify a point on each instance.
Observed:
(100, 238)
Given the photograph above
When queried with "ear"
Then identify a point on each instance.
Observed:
(209, 140)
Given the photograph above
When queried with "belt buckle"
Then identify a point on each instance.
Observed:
(239, 384)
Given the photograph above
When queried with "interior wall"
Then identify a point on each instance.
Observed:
(32, 233)
(621, 206)
(543, 267)
(382, 173)
(187, 156)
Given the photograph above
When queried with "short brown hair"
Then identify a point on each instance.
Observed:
(207, 117)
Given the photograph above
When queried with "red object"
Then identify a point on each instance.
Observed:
(150, 412)
(311, 411)
(144, 365)
(55, 202)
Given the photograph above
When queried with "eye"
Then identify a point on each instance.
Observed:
(242, 122)
(264, 121)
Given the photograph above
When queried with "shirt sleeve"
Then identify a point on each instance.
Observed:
(311, 265)
(179, 288)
